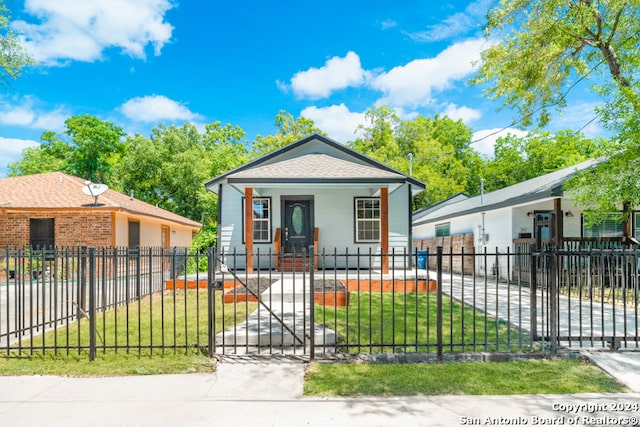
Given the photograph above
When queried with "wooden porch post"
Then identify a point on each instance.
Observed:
(384, 228)
(248, 226)
(626, 223)
(557, 207)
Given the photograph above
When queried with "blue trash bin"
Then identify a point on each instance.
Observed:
(422, 259)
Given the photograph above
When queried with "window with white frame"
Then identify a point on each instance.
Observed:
(636, 225)
(611, 226)
(261, 217)
(443, 229)
(367, 217)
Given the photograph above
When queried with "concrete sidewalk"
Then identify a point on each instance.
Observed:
(246, 393)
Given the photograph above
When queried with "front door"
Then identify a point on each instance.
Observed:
(297, 233)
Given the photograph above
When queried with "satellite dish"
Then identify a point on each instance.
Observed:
(94, 190)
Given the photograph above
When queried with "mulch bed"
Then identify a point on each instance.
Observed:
(257, 287)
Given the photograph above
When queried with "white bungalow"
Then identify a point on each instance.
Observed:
(314, 192)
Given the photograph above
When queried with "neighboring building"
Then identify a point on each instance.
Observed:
(515, 217)
(50, 209)
(314, 192)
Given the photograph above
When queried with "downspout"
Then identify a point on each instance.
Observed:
(484, 233)
(219, 228)
(410, 231)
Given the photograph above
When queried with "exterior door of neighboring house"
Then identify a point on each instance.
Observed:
(166, 243)
(544, 226)
(41, 233)
(297, 233)
(134, 234)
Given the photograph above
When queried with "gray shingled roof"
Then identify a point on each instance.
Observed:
(542, 187)
(314, 167)
(246, 174)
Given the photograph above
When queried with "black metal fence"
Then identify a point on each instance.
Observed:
(155, 300)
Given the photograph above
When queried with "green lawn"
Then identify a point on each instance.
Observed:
(479, 378)
(376, 322)
(175, 321)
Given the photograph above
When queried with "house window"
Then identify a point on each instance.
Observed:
(443, 230)
(611, 226)
(41, 233)
(261, 219)
(367, 220)
(636, 225)
(134, 234)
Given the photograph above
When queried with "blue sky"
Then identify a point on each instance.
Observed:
(141, 62)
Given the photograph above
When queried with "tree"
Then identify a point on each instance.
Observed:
(13, 57)
(544, 48)
(49, 156)
(88, 148)
(289, 130)
(170, 168)
(518, 159)
(438, 147)
(96, 146)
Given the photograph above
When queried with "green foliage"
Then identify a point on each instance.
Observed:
(170, 168)
(13, 58)
(206, 238)
(518, 159)
(542, 49)
(95, 147)
(88, 148)
(440, 146)
(289, 130)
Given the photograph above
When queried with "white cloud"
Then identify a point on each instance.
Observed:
(82, 30)
(337, 73)
(11, 151)
(484, 140)
(413, 84)
(156, 107)
(455, 25)
(28, 112)
(389, 23)
(465, 114)
(336, 120)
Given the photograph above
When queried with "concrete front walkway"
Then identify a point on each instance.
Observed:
(281, 322)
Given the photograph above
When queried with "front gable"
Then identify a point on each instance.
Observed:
(354, 203)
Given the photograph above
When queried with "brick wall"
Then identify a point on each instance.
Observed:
(72, 228)
(455, 244)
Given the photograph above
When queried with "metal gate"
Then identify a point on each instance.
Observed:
(586, 296)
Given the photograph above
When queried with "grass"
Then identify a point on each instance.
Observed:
(110, 364)
(164, 334)
(376, 322)
(559, 376)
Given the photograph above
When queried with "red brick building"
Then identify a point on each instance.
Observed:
(51, 209)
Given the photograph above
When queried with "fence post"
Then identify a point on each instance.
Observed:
(82, 306)
(210, 300)
(439, 302)
(533, 294)
(312, 311)
(92, 303)
(553, 299)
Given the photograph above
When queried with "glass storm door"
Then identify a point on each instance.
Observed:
(297, 233)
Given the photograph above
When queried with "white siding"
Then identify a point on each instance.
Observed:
(333, 216)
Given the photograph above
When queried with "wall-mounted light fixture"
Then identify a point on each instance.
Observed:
(568, 214)
(530, 213)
